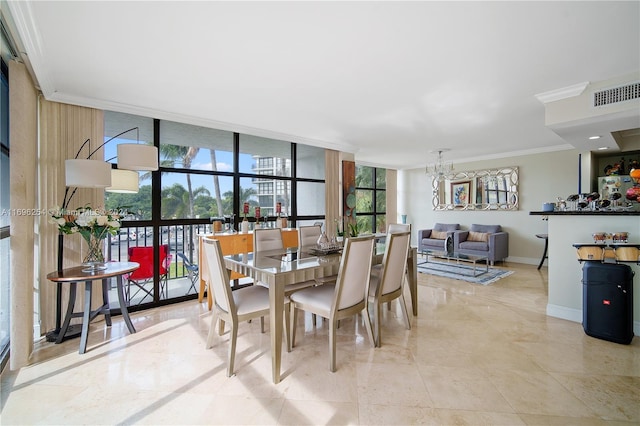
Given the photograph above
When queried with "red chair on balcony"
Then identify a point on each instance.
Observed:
(142, 278)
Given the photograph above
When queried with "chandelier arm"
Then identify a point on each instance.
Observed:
(82, 146)
(110, 139)
(65, 200)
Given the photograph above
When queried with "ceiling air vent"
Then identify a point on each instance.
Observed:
(617, 94)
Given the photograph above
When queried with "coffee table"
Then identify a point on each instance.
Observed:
(457, 257)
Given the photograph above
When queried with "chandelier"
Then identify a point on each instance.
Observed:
(440, 169)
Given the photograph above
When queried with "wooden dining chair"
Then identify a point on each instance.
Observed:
(235, 306)
(387, 281)
(347, 298)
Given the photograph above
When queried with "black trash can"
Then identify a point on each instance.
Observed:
(607, 301)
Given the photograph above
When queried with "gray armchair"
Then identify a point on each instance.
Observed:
(434, 239)
(483, 240)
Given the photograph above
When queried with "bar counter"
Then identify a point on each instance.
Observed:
(566, 228)
(587, 213)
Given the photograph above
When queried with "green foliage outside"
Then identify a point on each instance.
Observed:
(138, 204)
(367, 219)
(179, 202)
(176, 202)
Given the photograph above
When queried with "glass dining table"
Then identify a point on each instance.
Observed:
(277, 268)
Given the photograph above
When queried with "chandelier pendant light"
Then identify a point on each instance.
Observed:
(123, 181)
(440, 169)
(88, 173)
(137, 157)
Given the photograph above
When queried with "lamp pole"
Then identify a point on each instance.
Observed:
(74, 330)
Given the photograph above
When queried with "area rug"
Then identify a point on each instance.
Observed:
(464, 272)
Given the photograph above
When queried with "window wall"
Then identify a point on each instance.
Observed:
(208, 174)
(371, 199)
(132, 129)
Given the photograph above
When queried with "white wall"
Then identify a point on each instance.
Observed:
(543, 177)
(565, 272)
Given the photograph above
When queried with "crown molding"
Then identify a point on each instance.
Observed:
(198, 121)
(563, 93)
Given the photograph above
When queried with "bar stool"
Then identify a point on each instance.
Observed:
(546, 245)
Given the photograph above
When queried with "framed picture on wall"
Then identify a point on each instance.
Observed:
(460, 192)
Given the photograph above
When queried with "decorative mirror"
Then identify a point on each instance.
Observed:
(493, 189)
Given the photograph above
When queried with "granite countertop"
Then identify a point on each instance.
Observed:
(587, 213)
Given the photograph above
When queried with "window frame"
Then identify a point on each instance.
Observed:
(374, 220)
(204, 224)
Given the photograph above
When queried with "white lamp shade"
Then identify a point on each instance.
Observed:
(123, 181)
(87, 173)
(133, 156)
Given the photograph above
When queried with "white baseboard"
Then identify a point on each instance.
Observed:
(524, 260)
(563, 312)
(575, 315)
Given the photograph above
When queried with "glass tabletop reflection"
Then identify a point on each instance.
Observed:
(284, 260)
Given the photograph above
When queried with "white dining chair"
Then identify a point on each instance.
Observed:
(398, 227)
(347, 298)
(387, 281)
(267, 239)
(235, 306)
(271, 239)
(308, 235)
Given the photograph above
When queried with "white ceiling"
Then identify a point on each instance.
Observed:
(389, 81)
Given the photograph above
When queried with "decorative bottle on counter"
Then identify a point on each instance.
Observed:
(322, 240)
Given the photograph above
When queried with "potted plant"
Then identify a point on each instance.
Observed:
(353, 229)
(339, 231)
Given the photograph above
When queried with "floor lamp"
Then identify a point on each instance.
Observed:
(89, 173)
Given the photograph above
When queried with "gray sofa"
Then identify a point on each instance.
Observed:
(434, 239)
(483, 240)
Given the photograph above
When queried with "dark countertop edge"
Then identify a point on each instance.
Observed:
(586, 213)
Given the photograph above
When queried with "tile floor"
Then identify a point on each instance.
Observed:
(475, 355)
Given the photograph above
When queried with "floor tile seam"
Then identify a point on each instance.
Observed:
(535, 359)
(578, 420)
(578, 346)
(506, 401)
(57, 371)
(469, 410)
(33, 387)
(399, 405)
(515, 308)
(423, 379)
(592, 374)
(615, 377)
(502, 395)
(586, 408)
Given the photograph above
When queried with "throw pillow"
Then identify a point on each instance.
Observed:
(438, 235)
(478, 236)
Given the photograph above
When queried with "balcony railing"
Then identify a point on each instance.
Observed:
(180, 239)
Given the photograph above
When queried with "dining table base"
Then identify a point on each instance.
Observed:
(278, 268)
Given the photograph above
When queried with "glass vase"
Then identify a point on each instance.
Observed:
(94, 260)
